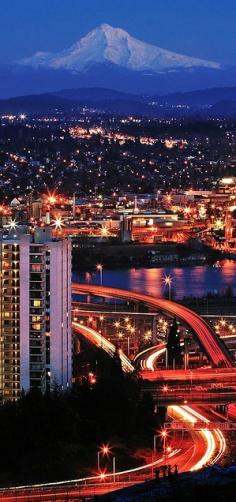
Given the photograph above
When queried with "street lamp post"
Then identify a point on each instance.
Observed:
(114, 468)
(155, 443)
(98, 461)
(168, 282)
(99, 268)
(129, 329)
(164, 436)
(104, 450)
(164, 446)
(101, 318)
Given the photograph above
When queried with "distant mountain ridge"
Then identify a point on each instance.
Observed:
(203, 103)
(198, 97)
(97, 94)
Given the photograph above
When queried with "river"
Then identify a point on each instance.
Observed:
(186, 281)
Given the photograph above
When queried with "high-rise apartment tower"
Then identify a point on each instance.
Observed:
(35, 312)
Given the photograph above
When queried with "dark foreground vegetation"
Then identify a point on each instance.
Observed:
(57, 435)
(209, 484)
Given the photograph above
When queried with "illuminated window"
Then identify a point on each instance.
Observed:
(36, 268)
(36, 318)
(36, 326)
(37, 303)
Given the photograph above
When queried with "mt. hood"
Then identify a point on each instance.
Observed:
(106, 44)
(109, 57)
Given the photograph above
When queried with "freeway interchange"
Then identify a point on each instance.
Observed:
(205, 335)
(204, 385)
(200, 447)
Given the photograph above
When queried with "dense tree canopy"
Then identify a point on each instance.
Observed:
(56, 435)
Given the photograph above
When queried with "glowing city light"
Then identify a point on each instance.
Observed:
(58, 223)
(167, 280)
(12, 224)
(104, 232)
(52, 199)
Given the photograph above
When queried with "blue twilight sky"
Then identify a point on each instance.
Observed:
(202, 28)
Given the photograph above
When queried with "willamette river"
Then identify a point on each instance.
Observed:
(186, 281)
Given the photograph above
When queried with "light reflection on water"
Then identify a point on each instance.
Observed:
(187, 281)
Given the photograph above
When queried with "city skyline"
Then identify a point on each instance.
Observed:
(117, 250)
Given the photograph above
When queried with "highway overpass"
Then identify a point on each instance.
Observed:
(189, 397)
(214, 348)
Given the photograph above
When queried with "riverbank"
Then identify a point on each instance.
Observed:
(211, 306)
(120, 255)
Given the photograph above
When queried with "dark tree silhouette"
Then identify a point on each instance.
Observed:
(54, 436)
(116, 366)
(173, 346)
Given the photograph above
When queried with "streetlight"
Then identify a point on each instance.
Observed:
(168, 281)
(104, 450)
(114, 469)
(132, 332)
(155, 443)
(126, 326)
(58, 222)
(99, 268)
(101, 318)
(12, 224)
(164, 436)
(128, 345)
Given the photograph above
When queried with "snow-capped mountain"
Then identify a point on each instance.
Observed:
(109, 57)
(106, 44)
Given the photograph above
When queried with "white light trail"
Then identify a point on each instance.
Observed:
(100, 341)
(192, 416)
(151, 360)
(95, 478)
(217, 432)
(188, 414)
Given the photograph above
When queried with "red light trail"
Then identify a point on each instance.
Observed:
(213, 346)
